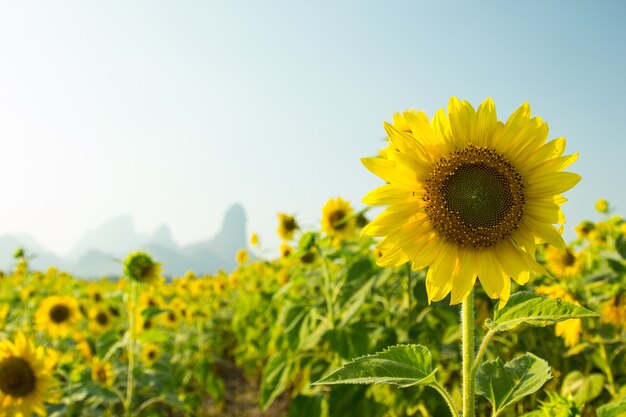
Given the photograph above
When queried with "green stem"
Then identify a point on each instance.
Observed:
(132, 302)
(467, 335)
(607, 370)
(408, 292)
(327, 290)
(481, 352)
(442, 391)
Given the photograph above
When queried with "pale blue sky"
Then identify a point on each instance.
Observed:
(173, 110)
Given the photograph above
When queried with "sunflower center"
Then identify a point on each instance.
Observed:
(335, 219)
(59, 313)
(474, 197)
(289, 224)
(569, 259)
(151, 354)
(102, 318)
(17, 379)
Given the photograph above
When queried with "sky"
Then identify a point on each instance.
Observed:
(173, 111)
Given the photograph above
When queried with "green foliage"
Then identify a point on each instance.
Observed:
(505, 384)
(535, 310)
(614, 409)
(274, 379)
(582, 388)
(555, 406)
(401, 365)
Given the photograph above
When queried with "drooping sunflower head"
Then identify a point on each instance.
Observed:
(26, 380)
(140, 267)
(57, 316)
(469, 196)
(287, 226)
(337, 219)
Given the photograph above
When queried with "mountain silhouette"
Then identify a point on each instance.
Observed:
(101, 250)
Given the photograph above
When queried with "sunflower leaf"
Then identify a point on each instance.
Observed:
(401, 365)
(535, 310)
(505, 384)
(614, 409)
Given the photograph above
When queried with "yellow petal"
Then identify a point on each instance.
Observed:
(551, 184)
(387, 194)
(486, 122)
(392, 172)
(462, 119)
(464, 277)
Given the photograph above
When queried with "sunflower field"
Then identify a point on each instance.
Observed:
(460, 298)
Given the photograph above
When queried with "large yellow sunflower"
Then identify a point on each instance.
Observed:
(57, 316)
(469, 196)
(26, 378)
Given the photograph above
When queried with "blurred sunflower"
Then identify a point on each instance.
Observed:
(469, 196)
(287, 226)
(254, 239)
(26, 378)
(57, 316)
(102, 372)
(584, 228)
(337, 219)
(100, 319)
(150, 353)
(565, 263)
(242, 256)
(285, 250)
(140, 267)
(614, 311)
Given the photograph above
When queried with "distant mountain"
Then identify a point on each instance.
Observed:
(100, 251)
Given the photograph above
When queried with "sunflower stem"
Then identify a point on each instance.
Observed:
(132, 302)
(327, 288)
(467, 348)
(408, 294)
(446, 396)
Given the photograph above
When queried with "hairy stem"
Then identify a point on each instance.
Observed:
(467, 350)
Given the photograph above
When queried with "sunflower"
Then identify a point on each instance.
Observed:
(287, 226)
(285, 250)
(26, 378)
(614, 311)
(254, 239)
(102, 372)
(150, 353)
(100, 319)
(337, 219)
(57, 316)
(584, 228)
(140, 267)
(565, 263)
(602, 206)
(242, 256)
(469, 196)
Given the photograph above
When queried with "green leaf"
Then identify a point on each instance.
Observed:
(620, 245)
(150, 312)
(616, 266)
(582, 388)
(615, 409)
(536, 310)
(305, 406)
(555, 406)
(401, 365)
(349, 341)
(504, 384)
(274, 379)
